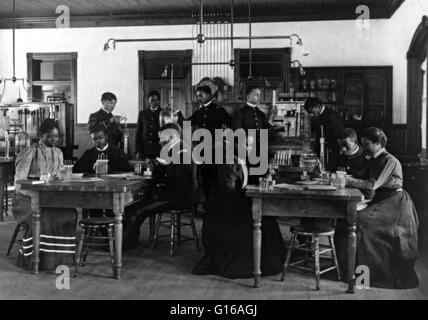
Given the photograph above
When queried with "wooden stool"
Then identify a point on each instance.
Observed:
(174, 223)
(313, 246)
(92, 226)
(21, 227)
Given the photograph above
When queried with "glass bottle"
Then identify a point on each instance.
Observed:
(22, 141)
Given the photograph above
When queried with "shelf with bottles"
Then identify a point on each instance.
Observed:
(21, 123)
(324, 89)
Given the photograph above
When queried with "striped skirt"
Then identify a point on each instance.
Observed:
(57, 238)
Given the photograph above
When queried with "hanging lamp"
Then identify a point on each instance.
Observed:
(13, 79)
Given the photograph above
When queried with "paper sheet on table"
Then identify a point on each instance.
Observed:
(320, 187)
(313, 182)
(119, 175)
(82, 179)
(287, 186)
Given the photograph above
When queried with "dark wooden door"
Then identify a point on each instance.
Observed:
(164, 88)
(152, 76)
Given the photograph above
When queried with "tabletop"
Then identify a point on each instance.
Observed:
(106, 185)
(347, 194)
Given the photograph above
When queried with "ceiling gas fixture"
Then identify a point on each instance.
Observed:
(201, 38)
(14, 79)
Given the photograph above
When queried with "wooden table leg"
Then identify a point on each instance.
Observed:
(152, 220)
(257, 239)
(1, 202)
(36, 230)
(351, 216)
(118, 208)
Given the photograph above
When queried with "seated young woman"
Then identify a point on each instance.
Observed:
(387, 240)
(353, 157)
(57, 226)
(227, 230)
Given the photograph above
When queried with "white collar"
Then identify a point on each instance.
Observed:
(356, 150)
(106, 110)
(208, 103)
(154, 109)
(377, 154)
(251, 104)
(103, 149)
(322, 110)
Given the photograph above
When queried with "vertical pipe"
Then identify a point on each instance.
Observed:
(224, 49)
(13, 39)
(232, 53)
(216, 47)
(201, 16)
(204, 50)
(250, 75)
(172, 90)
(211, 49)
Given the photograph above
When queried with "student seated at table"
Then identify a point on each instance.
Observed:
(353, 158)
(178, 178)
(117, 160)
(57, 226)
(387, 240)
(227, 230)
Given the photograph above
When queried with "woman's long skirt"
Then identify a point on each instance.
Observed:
(57, 235)
(387, 242)
(227, 235)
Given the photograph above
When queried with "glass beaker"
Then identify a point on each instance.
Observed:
(101, 167)
(341, 179)
(138, 168)
(308, 160)
(335, 180)
(44, 175)
(68, 170)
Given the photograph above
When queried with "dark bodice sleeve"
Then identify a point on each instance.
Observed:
(86, 163)
(230, 178)
(384, 172)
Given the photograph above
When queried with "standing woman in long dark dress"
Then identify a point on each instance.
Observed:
(227, 231)
(387, 241)
(57, 226)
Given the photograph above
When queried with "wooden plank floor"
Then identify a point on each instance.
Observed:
(151, 274)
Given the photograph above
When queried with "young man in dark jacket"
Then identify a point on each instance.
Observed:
(353, 158)
(117, 160)
(211, 117)
(147, 138)
(105, 118)
(330, 123)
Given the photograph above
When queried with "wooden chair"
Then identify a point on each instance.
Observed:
(91, 229)
(313, 247)
(21, 227)
(174, 223)
(7, 198)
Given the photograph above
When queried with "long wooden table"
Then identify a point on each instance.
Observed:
(341, 203)
(113, 194)
(7, 174)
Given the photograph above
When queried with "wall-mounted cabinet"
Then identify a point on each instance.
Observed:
(52, 74)
(52, 81)
(270, 71)
(362, 95)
